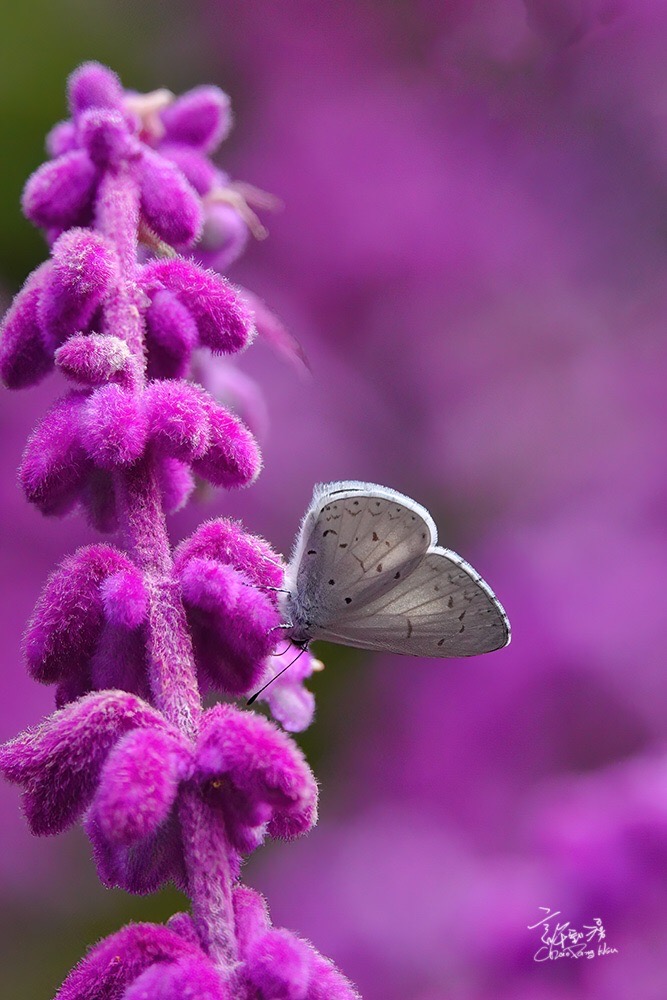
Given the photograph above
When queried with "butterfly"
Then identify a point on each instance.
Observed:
(367, 571)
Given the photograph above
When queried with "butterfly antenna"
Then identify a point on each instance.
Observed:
(256, 695)
(261, 586)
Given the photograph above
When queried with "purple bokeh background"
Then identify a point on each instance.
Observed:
(473, 254)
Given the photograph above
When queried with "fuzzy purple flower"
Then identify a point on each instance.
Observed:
(132, 638)
(150, 960)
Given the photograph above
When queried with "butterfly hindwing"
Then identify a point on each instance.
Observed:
(442, 608)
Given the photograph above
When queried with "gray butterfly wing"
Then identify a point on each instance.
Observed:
(356, 542)
(441, 608)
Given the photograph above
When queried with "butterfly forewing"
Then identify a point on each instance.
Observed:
(442, 608)
(356, 544)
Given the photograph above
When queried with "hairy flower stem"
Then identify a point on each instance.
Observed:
(171, 664)
(171, 668)
(204, 836)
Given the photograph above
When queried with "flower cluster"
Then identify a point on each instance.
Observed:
(169, 962)
(132, 638)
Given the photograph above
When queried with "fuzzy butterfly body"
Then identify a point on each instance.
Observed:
(367, 571)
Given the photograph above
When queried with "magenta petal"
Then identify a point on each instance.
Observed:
(176, 483)
(67, 619)
(61, 139)
(224, 236)
(224, 322)
(189, 977)
(264, 766)
(177, 414)
(54, 464)
(326, 982)
(195, 167)
(233, 458)
(138, 785)
(125, 597)
(292, 704)
(106, 136)
(93, 85)
(84, 268)
(270, 953)
(142, 867)
(235, 624)
(114, 427)
(24, 359)
(278, 964)
(169, 203)
(251, 914)
(94, 359)
(115, 962)
(59, 193)
(172, 336)
(58, 763)
(200, 118)
(225, 541)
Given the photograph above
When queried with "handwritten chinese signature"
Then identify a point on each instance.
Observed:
(567, 942)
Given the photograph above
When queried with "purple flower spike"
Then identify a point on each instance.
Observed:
(167, 791)
(201, 119)
(58, 764)
(169, 203)
(59, 194)
(24, 359)
(224, 322)
(94, 86)
(94, 359)
(83, 270)
(68, 617)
